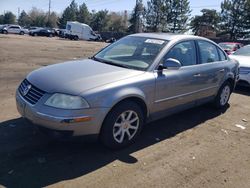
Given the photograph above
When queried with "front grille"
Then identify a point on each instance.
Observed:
(29, 92)
(244, 70)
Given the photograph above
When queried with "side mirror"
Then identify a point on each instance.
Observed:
(171, 64)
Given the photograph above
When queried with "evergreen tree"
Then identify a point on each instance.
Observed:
(24, 19)
(155, 15)
(135, 20)
(178, 15)
(69, 14)
(232, 15)
(100, 20)
(9, 18)
(83, 14)
(208, 18)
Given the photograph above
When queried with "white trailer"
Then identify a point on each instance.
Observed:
(77, 30)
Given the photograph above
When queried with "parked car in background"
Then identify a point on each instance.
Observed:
(42, 32)
(230, 47)
(34, 28)
(137, 79)
(61, 33)
(76, 31)
(14, 29)
(243, 57)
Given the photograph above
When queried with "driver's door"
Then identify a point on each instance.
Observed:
(177, 88)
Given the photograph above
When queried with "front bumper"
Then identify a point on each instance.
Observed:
(88, 121)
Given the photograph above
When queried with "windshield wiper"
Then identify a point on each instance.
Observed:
(109, 62)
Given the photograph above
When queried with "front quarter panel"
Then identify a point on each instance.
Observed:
(109, 95)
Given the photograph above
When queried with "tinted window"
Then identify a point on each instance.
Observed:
(184, 52)
(222, 55)
(208, 52)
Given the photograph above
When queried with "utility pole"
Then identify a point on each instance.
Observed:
(49, 12)
(49, 7)
(18, 12)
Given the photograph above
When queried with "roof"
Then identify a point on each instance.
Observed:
(166, 36)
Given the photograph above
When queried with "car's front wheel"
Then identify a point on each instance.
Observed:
(223, 95)
(122, 125)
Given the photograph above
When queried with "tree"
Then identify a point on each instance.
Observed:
(38, 17)
(155, 15)
(135, 20)
(69, 14)
(52, 20)
(178, 15)
(232, 15)
(167, 15)
(100, 20)
(247, 15)
(208, 18)
(116, 23)
(9, 18)
(1, 19)
(83, 14)
(24, 19)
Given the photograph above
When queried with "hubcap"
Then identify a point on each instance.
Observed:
(126, 126)
(224, 95)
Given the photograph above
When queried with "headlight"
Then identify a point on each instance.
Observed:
(64, 101)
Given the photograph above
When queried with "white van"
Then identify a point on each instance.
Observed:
(76, 31)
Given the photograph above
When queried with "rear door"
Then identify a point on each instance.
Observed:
(212, 63)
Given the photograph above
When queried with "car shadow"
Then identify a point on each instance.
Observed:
(30, 159)
(242, 90)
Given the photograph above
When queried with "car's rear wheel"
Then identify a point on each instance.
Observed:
(5, 32)
(35, 34)
(223, 95)
(50, 35)
(122, 125)
(21, 33)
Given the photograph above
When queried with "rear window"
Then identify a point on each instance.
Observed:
(208, 52)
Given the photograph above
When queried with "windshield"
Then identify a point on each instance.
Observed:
(245, 51)
(227, 46)
(132, 52)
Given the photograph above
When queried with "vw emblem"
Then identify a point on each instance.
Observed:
(26, 90)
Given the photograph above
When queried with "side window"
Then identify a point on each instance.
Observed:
(208, 52)
(185, 52)
(222, 55)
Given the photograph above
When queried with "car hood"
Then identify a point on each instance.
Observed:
(243, 60)
(75, 77)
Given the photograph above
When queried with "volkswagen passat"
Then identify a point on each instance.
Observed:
(138, 79)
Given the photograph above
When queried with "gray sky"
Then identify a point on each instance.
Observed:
(111, 5)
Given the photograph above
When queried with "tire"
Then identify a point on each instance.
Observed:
(21, 33)
(76, 38)
(223, 96)
(5, 32)
(35, 34)
(116, 127)
(50, 35)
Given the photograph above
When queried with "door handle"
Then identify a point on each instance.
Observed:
(222, 70)
(197, 75)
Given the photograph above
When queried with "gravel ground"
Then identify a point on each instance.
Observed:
(200, 147)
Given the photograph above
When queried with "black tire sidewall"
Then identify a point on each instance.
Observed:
(106, 135)
(217, 99)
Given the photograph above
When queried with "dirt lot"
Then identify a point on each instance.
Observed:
(200, 147)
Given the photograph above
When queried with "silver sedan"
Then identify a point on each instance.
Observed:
(138, 79)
